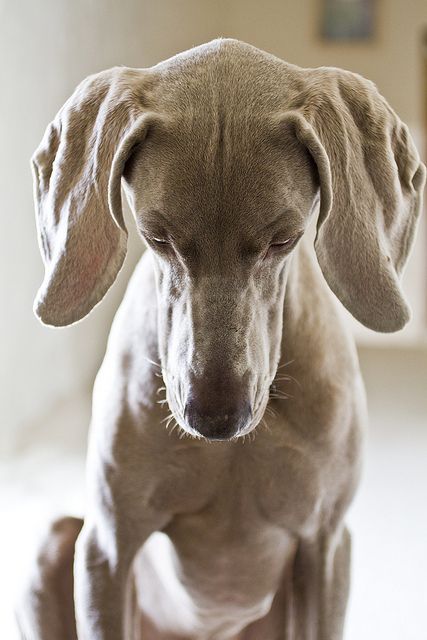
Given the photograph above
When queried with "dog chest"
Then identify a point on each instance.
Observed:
(216, 574)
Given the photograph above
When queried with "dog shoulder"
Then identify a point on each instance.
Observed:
(318, 341)
(136, 316)
(313, 314)
(128, 372)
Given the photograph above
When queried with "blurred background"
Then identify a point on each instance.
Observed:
(47, 47)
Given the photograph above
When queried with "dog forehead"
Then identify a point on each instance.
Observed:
(224, 73)
(208, 174)
(214, 154)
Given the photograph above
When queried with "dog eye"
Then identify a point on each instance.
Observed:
(277, 246)
(160, 244)
(160, 241)
(283, 245)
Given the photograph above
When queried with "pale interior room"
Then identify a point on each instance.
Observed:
(47, 47)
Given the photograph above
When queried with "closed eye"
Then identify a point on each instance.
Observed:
(283, 246)
(159, 241)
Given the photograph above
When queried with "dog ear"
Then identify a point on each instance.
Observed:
(77, 177)
(371, 183)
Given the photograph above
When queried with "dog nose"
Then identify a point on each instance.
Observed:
(221, 424)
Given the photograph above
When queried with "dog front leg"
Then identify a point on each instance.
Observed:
(102, 569)
(321, 587)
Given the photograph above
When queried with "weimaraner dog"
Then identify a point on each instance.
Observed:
(229, 412)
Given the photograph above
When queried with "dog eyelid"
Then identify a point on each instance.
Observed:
(283, 245)
(158, 239)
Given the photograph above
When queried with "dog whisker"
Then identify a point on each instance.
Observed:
(285, 364)
(168, 417)
(163, 370)
(270, 411)
(252, 435)
(155, 364)
(281, 396)
(274, 390)
(265, 424)
(174, 426)
(171, 418)
(185, 434)
(287, 378)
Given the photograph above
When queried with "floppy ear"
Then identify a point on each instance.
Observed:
(77, 176)
(371, 183)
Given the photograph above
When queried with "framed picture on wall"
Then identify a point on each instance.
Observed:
(348, 20)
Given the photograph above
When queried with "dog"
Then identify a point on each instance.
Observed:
(219, 516)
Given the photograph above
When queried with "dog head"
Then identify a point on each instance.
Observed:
(225, 153)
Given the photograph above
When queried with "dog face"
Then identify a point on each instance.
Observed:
(222, 223)
(223, 150)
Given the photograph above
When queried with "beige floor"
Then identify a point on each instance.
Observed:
(388, 518)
